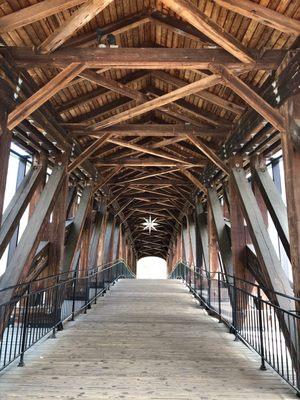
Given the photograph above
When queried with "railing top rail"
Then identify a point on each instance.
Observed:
(226, 276)
(89, 271)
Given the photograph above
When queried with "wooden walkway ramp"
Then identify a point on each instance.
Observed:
(146, 339)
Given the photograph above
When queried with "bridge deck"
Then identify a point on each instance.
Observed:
(143, 340)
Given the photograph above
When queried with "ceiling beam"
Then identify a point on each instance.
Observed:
(171, 130)
(189, 12)
(144, 58)
(204, 94)
(146, 150)
(107, 178)
(23, 110)
(116, 28)
(194, 180)
(34, 13)
(252, 98)
(88, 152)
(157, 102)
(77, 20)
(144, 162)
(263, 15)
(208, 152)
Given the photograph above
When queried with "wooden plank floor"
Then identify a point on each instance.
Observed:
(146, 339)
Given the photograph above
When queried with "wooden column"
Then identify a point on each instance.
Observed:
(203, 252)
(57, 229)
(213, 258)
(259, 162)
(291, 157)
(5, 140)
(238, 230)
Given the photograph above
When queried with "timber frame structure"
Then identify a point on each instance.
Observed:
(169, 121)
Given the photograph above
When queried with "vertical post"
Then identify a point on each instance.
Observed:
(212, 242)
(234, 309)
(6, 105)
(25, 327)
(262, 350)
(14, 240)
(208, 274)
(74, 294)
(55, 310)
(219, 298)
(291, 158)
(96, 286)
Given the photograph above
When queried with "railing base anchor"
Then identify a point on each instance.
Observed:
(60, 326)
(21, 364)
(298, 394)
(263, 367)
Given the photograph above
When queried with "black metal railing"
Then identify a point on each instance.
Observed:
(42, 306)
(273, 332)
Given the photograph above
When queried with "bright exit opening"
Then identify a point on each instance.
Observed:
(151, 268)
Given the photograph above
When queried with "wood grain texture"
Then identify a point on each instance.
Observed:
(146, 339)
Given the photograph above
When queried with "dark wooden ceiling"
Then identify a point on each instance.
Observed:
(152, 169)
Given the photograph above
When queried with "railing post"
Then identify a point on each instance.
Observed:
(55, 309)
(262, 348)
(234, 310)
(201, 285)
(219, 298)
(96, 283)
(209, 288)
(74, 294)
(25, 328)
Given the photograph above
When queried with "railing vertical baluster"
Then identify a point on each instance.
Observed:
(74, 294)
(96, 287)
(219, 298)
(209, 288)
(25, 327)
(262, 349)
(234, 309)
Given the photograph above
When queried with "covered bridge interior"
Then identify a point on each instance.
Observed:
(151, 128)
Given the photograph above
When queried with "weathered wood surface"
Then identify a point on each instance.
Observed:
(144, 340)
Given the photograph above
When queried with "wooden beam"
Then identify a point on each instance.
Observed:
(107, 178)
(18, 204)
(201, 226)
(188, 11)
(117, 27)
(274, 203)
(238, 231)
(170, 109)
(263, 15)
(101, 92)
(251, 97)
(145, 58)
(5, 141)
(204, 94)
(291, 159)
(23, 110)
(158, 102)
(88, 152)
(275, 277)
(34, 13)
(208, 152)
(20, 262)
(76, 229)
(78, 19)
(220, 227)
(179, 27)
(146, 150)
(159, 130)
(194, 180)
(143, 162)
